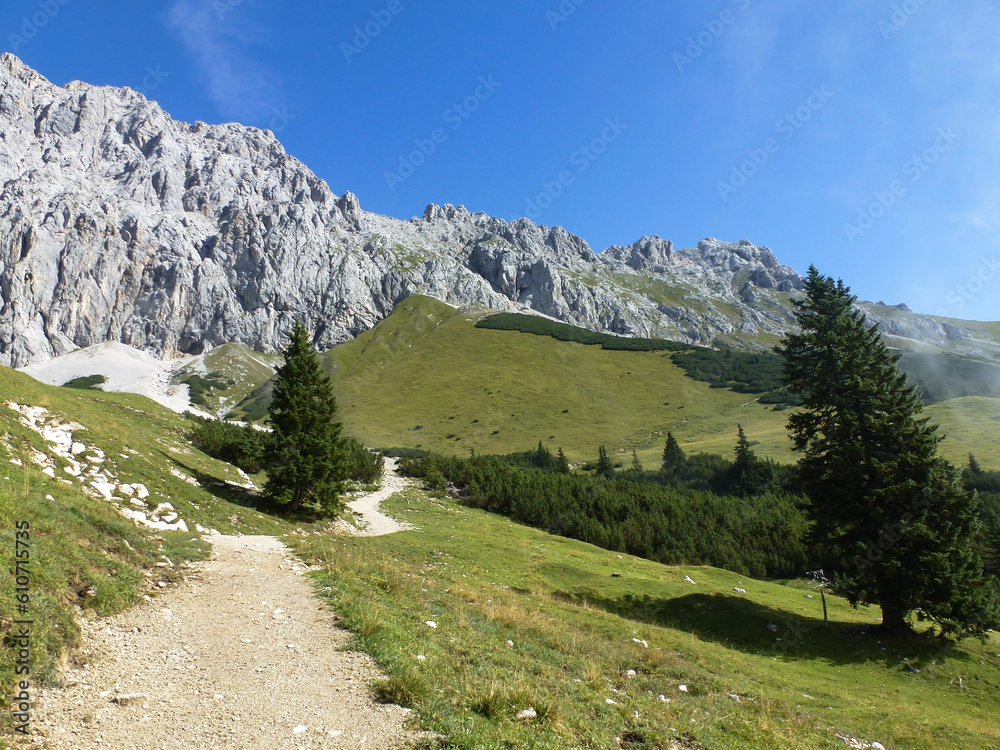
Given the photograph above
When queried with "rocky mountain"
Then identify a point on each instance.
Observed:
(122, 224)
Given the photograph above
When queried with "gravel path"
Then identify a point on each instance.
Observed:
(376, 523)
(243, 655)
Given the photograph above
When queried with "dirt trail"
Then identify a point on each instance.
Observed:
(376, 523)
(241, 656)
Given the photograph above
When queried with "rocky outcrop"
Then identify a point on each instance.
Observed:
(122, 224)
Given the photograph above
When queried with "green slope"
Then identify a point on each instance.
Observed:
(971, 425)
(427, 377)
(524, 619)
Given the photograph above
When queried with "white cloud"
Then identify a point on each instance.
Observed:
(218, 42)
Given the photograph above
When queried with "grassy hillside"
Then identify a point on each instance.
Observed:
(524, 619)
(972, 425)
(428, 377)
(83, 552)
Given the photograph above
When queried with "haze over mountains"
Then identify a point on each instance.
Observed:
(122, 224)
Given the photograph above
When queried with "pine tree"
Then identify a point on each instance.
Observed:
(888, 511)
(636, 463)
(604, 465)
(542, 457)
(749, 475)
(744, 455)
(304, 462)
(562, 463)
(673, 454)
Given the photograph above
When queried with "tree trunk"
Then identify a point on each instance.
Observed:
(894, 619)
(296, 500)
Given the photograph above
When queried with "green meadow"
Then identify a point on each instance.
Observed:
(591, 640)
(426, 377)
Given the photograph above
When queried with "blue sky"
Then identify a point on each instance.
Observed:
(863, 137)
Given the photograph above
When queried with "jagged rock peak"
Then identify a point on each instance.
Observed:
(648, 253)
(350, 206)
(447, 212)
(11, 65)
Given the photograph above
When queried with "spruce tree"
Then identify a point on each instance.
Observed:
(673, 454)
(888, 511)
(636, 463)
(541, 457)
(604, 466)
(750, 474)
(562, 463)
(744, 457)
(304, 462)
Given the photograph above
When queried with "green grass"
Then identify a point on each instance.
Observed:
(971, 425)
(87, 382)
(525, 619)
(427, 377)
(499, 391)
(485, 580)
(82, 553)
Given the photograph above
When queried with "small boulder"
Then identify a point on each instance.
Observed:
(128, 699)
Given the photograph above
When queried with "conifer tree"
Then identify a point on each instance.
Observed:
(889, 512)
(604, 466)
(541, 457)
(562, 463)
(744, 455)
(636, 463)
(750, 474)
(673, 454)
(304, 462)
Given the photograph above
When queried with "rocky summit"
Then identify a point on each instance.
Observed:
(122, 224)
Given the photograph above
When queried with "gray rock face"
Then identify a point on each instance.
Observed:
(122, 224)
